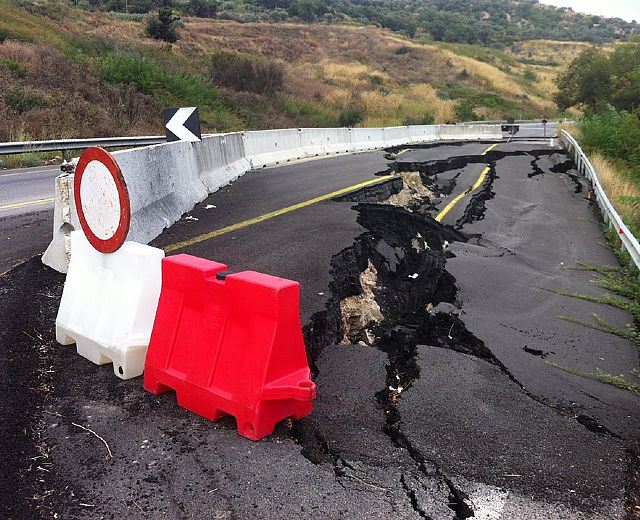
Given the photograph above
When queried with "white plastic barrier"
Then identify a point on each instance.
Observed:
(221, 159)
(424, 133)
(367, 138)
(109, 303)
(268, 147)
(396, 136)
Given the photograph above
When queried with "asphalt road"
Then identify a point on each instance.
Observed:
(456, 408)
(26, 212)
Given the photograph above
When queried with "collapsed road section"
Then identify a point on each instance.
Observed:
(421, 328)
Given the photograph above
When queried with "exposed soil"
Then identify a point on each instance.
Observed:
(29, 297)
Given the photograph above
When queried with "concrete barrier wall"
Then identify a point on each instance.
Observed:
(327, 140)
(367, 138)
(167, 180)
(163, 182)
(424, 133)
(65, 220)
(221, 159)
(470, 132)
(396, 136)
(269, 147)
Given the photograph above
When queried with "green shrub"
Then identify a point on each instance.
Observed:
(529, 76)
(202, 8)
(125, 67)
(24, 100)
(4, 35)
(302, 110)
(403, 49)
(376, 80)
(464, 74)
(615, 135)
(128, 17)
(350, 117)
(464, 110)
(15, 67)
(163, 26)
(424, 119)
(169, 88)
(246, 73)
(81, 46)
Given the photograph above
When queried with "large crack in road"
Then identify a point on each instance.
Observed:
(416, 296)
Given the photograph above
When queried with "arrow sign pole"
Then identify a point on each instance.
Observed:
(182, 124)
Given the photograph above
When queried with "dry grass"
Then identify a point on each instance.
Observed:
(28, 27)
(617, 186)
(336, 62)
(549, 51)
(546, 58)
(327, 68)
(572, 128)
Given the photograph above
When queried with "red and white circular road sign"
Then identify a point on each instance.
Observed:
(102, 200)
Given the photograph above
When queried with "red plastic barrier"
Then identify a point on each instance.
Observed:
(229, 345)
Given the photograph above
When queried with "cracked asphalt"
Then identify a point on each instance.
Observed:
(454, 410)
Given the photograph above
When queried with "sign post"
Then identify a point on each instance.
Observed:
(102, 200)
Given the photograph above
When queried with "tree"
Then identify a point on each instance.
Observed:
(308, 10)
(586, 83)
(203, 8)
(163, 26)
(596, 80)
(625, 75)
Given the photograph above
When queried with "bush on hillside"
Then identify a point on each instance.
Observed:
(23, 100)
(202, 8)
(246, 73)
(464, 110)
(164, 26)
(423, 119)
(350, 117)
(616, 135)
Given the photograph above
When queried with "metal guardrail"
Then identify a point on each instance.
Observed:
(74, 144)
(609, 214)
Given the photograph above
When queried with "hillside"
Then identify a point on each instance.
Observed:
(484, 22)
(67, 72)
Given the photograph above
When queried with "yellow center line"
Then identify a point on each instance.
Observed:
(27, 203)
(473, 188)
(272, 214)
(490, 148)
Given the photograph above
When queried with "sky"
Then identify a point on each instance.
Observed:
(625, 9)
